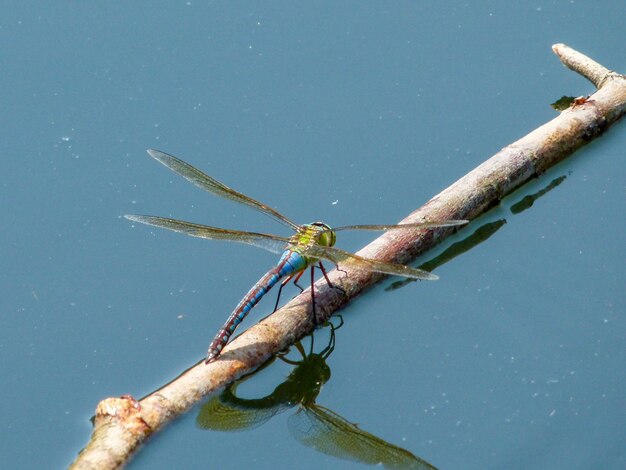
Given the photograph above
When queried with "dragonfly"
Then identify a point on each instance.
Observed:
(304, 249)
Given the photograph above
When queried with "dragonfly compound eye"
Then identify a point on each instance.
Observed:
(327, 236)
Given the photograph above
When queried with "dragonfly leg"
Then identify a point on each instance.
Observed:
(280, 289)
(341, 270)
(314, 312)
(295, 281)
(330, 284)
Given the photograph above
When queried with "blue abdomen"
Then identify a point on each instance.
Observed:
(291, 263)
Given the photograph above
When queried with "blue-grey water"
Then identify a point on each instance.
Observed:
(350, 112)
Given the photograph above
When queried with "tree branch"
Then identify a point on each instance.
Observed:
(580, 63)
(123, 424)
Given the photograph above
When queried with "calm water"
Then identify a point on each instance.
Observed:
(356, 113)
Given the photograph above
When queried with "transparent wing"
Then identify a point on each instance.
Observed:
(271, 243)
(445, 223)
(338, 256)
(211, 185)
(324, 430)
(219, 415)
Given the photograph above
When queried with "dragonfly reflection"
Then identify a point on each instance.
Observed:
(313, 425)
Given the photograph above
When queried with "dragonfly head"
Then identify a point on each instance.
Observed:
(326, 234)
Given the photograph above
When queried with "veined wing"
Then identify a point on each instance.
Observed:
(271, 243)
(324, 430)
(338, 256)
(220, 414)
(211, 185)
(445, 223)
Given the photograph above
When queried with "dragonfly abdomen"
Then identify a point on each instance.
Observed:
(290, 263)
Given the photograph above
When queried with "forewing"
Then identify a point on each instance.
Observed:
(271, 243)
(211, 185)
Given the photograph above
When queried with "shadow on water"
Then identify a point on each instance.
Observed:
(527, 201)
(481, 234)
(311, 424)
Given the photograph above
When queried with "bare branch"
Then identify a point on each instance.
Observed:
(122, 424)
(580, 63)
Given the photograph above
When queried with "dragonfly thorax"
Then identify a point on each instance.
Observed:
(316, 233)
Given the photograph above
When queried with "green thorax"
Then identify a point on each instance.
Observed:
(309, 235)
